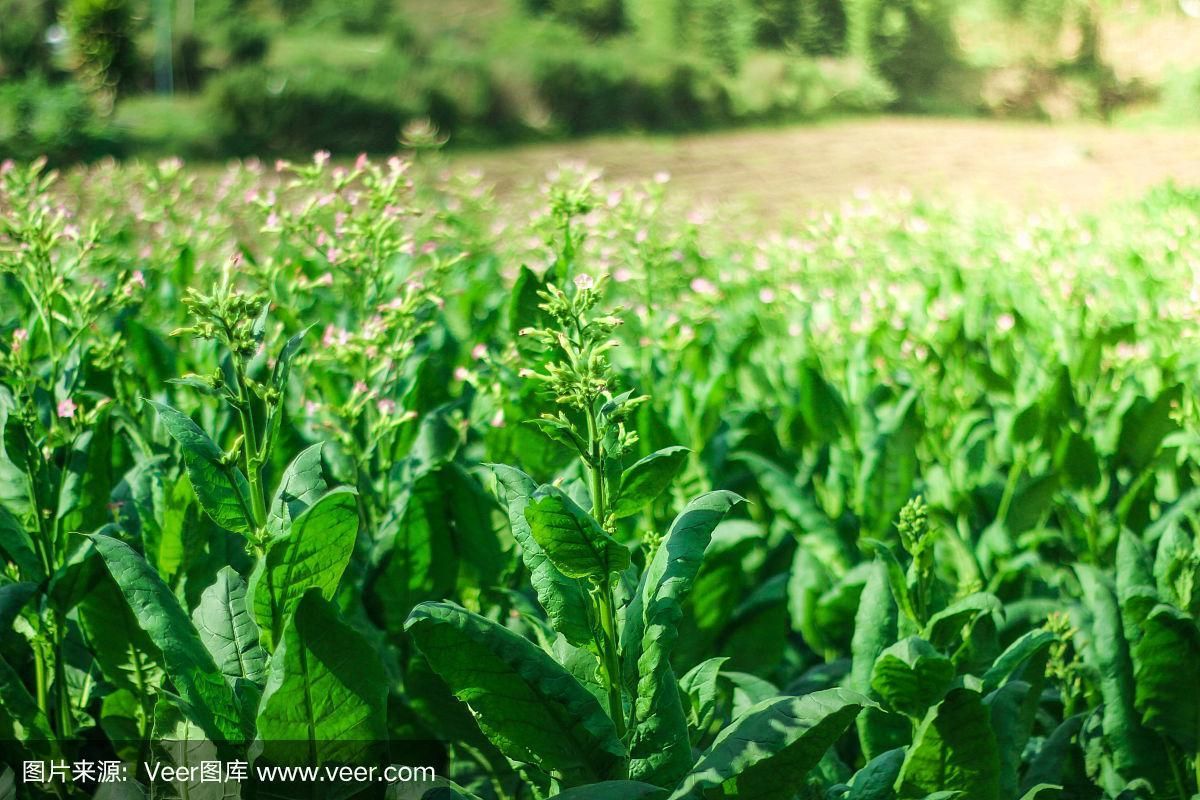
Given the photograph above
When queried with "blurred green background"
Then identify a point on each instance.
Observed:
(208, 79)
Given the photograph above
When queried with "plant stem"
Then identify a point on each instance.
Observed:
(253, 458)
(609, 646)
(65, 721)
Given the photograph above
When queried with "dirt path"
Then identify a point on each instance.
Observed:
(777, 171)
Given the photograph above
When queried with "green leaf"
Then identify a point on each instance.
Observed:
(227, 629)
(16, 701)
(766, 753)
(575, 543)
(1012, 709)
(189, 666)
(560, 596)
(125, 653)
(420, 562)
(875, 627)
(877, 780)
(911, 675)
(1132, 750)
(17, 546)
(660, 748)
(313, 554)
(700, 686)
(528, 705)
(954, 749)
(647, 479)
(947, 625)
(222, 490)
(1166, 664)
(13, 597)
(325, 701)
(302, 484)
(1027, 648)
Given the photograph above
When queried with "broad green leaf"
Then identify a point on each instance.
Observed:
(562, 597)
(911, 675)
(325, 701)
(222, 489)
(954, 749)
(13, 597)
(17, 546)
(1029, 647)
(765, 753)
(877, 780)
(225, 626)
(30, 724)
(313, 554)
(660, 748)
(890, 465)
(302, 484)
(700, 686)
(189, 666)
(528, 705)
(947, 625)
(1132, 750)
(573, 541)
(123, 650)
(647, 479)
(420, 562)
(1136, 589)
(874, 630)
(821, 406)
(1166, 671)
(1012, 709)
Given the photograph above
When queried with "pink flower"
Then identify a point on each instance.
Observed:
(321, 158)
(703, 286)
(479, 351)
(325, 280)
(20, 336)
(583, 281)
(361, 162)
(662, 177)
(1005, 323)
(766, 296)
(67, 409)
(462, 374)
(311, 408)
(360, 387)
(280, 165)
(386, 407)
(497, 420)
(622, 275)
(138, 279)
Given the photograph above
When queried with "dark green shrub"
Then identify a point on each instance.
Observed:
(23, 47)
(259, 110)
(606, 89)
(51, 119)
(102, 37)
(247, 41)
(593, 17)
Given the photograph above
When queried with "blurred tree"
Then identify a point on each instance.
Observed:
(102, 41)
(909, 43)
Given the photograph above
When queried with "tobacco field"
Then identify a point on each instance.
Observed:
(591, 494)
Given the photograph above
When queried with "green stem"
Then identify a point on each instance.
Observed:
(1010, 488)
(39, 664)
(252, 457)
(609, 646)
(612, 659)
(66, 723)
